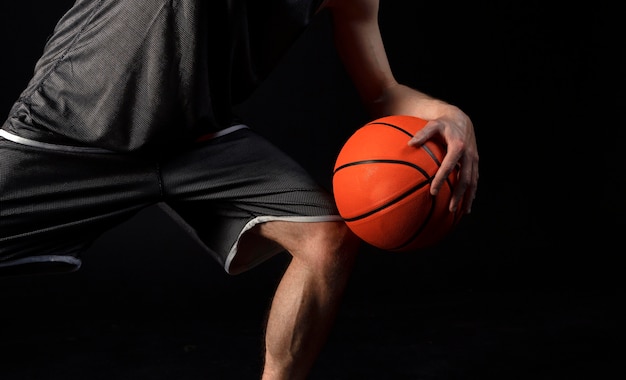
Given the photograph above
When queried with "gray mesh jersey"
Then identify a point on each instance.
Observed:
(133, 75)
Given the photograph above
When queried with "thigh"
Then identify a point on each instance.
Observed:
(226, 186)
(55, 200)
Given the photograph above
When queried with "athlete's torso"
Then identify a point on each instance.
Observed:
(129, 75)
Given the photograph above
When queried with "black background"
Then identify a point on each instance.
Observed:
(527, 287)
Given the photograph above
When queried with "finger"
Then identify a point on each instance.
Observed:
(449, 163)
(465, 189)
(460, 194)
(424, 134)
(470, 193)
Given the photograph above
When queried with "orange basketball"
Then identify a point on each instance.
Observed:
(382, 186)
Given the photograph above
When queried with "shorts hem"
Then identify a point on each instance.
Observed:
(41, 264)
(263, 256)
(51, 146)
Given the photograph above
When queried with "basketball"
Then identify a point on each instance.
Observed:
(382, 186)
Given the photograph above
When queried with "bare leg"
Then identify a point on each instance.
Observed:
(308, 296)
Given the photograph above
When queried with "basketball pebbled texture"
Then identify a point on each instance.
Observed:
(382, 186)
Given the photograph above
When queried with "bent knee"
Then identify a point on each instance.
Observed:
(328, 246)
(319, 243)
(332, 237)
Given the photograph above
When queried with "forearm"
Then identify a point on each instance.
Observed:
(399, 99)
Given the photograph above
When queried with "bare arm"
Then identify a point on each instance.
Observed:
(361, 49)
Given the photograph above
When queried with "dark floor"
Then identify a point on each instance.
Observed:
(139, 312)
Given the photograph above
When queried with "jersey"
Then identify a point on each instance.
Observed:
(142, 75)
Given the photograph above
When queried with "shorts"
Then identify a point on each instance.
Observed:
(55, 200)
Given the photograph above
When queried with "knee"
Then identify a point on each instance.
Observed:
(338, 237)
(321, 246)
(331, 246)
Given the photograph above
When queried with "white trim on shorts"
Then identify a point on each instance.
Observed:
(267, 255)
(252, 223)
(74, 261)
(43, 145)
(86, 149)
(223, 132)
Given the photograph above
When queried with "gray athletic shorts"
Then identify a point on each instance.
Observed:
(55, 200)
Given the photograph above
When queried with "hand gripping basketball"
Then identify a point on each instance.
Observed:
(382, 186)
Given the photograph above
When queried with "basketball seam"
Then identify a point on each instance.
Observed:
(389, 203)
(384, 161)
(432, 207)
(430, 152)
(434, 158)
(394, 127)
(434, 203)
(419, 231)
